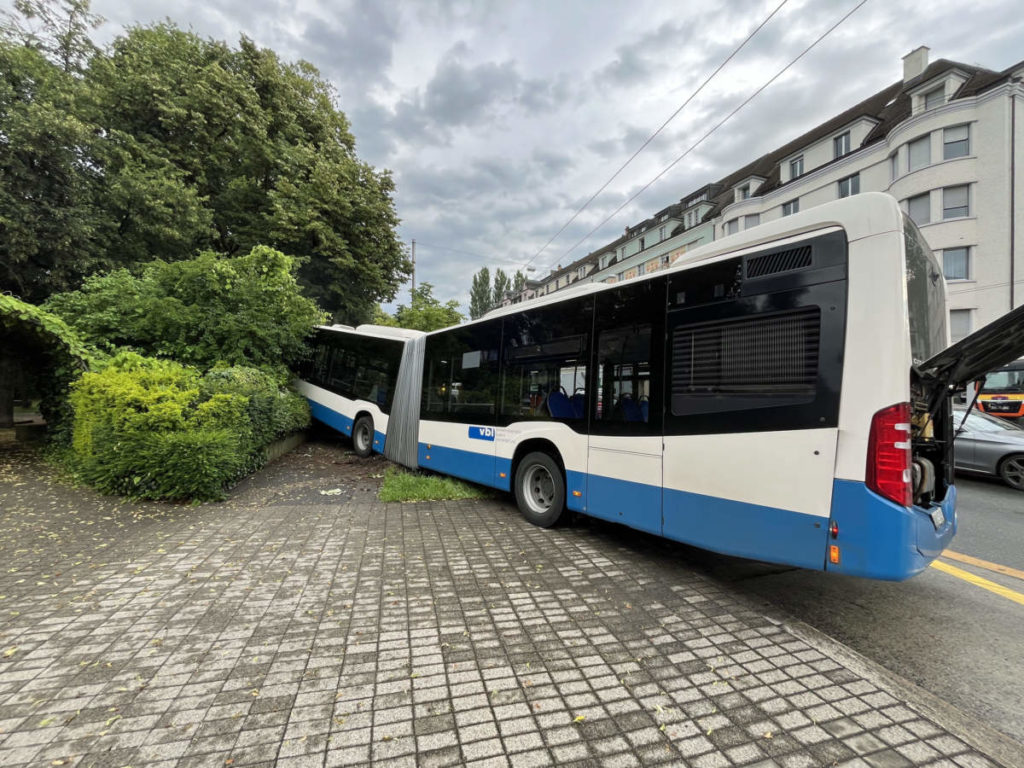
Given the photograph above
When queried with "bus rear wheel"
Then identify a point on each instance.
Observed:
(540, 489)
(362, 436)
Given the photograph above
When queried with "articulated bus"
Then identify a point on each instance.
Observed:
(782, 395)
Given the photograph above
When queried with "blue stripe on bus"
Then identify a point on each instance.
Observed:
(379, 438)
(331, 417)
(637, 505)
(475, 467)
(883, 540)
(743, 529)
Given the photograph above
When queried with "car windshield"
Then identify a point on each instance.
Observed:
(1006, 380)
(982, 422)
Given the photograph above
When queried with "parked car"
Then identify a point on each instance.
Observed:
(991, 446)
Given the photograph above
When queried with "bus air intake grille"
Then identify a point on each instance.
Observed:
(767, 355)
(782, 261)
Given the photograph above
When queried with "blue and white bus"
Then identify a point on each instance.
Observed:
(779, 395)
(350, 380)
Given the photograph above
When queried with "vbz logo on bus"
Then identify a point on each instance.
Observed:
(481, 433)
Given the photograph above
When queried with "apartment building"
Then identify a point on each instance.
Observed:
(947, 141)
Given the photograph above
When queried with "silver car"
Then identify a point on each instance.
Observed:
(990, 445)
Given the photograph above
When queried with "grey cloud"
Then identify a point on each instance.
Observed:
(461, 95)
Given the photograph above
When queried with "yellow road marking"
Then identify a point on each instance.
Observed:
(978, 581)
(979, 563)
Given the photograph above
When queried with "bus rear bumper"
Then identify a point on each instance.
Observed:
(879, 539)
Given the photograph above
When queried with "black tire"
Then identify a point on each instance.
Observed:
(539, 487)
(362, 436)
(1011, 470)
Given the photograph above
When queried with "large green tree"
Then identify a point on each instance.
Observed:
(166, 143)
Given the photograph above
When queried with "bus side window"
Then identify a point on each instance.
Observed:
(627, 361)
(544, 363)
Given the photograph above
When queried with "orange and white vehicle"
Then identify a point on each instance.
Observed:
(1002, 393)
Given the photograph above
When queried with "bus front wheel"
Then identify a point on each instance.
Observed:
(362, 436)
(540, 489)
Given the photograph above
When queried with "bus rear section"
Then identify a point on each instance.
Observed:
(350, 381)
(894, 501)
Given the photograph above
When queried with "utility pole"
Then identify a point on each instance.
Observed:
(413, 270)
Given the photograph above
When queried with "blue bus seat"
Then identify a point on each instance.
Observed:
(559, 406)
(579, 405)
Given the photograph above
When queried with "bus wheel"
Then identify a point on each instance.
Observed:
(1011, 470)
(362, 436)
(540, 489)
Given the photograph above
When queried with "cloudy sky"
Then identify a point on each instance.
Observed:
(500, 119)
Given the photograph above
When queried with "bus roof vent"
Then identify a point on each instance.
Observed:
(780, 261)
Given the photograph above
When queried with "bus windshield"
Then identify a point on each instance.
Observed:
(926, 296)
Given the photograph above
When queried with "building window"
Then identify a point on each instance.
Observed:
(849, 186)
(919, 153)
(841, 145)
(752, 220)
(955, 202)
(920, 208)
(793, 206)
(959, 324)
(956, 263)
(743, 193)
(935, 97)
(894, 166)
(661, 234)
(732, 227)
(955, 142)
(796, 167)
(641, 244)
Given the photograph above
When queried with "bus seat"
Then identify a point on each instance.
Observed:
(559, 406)
(579, 405)
(631, 410)
(645, 409)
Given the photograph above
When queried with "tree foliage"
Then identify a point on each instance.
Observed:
(480, 293)
(38, 349)
(424, 313)
(166, 143)
(502, 284)
(243, 310)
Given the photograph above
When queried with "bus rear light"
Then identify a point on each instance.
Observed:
(833, 528)
(833, 554)
(888, 471)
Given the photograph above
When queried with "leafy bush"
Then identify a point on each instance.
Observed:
(157, 429)
(243, 310)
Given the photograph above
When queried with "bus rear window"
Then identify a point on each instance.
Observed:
(926, 296)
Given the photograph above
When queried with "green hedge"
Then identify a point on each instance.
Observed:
(157, 429)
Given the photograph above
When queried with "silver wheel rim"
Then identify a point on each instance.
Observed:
(538, 489)
(1013, 472)
(362, 437)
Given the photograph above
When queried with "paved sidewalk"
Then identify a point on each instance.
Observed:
(304, 623)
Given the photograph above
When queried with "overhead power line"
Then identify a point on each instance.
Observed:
(718, 125)
(651, 138)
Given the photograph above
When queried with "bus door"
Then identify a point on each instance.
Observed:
(625, 445)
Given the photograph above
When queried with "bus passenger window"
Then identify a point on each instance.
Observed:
(544, 363)
(624, 374)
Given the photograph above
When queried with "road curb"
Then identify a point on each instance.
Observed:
(992, 743)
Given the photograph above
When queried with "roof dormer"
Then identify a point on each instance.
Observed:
(747, 188)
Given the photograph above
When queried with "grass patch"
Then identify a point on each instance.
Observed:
(400, 485)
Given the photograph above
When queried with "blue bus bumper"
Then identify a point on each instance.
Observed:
(882, 540)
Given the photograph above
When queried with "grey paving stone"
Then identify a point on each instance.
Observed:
(284, 627)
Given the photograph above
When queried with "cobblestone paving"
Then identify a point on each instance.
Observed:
(304, 623)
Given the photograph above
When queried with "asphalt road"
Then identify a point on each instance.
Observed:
(953, 638)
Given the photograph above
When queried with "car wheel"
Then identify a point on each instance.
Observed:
(540, 489)
(1011, 470)
(362, 436)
